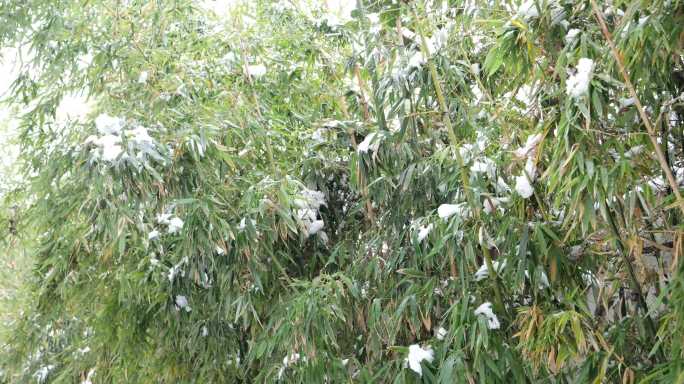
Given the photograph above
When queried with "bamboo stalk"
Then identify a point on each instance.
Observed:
(493, 275)
(362, 90)
(652, 135)
(634, 282)
(257, 106)
(364, 185)
(454, 141)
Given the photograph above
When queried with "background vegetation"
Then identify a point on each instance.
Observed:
(372, 191)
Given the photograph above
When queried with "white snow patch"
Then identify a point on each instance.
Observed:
(423, 232)
(108, 125)
(484, 165)
(175, 225)
(182, 303)
(140, 136)
(42, 373)
(577, 85)
(89, 376)
(315, 227)
(571, 36)
(527, 10)
(530, 147)
(523, 186)
(109, 146)
(483, 271)
(486, 310)
(447, 210)
(627, 102)
(365, 145)
(416, 355)
(142, 78)
(73, 107)
(257, 70)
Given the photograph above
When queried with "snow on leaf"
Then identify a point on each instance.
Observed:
(416, 60)
(571, 36)
(486, 310)
(257, 70)
(447, 210)
(635, 151)
(490, 204)
(543, 279)
(293, 358)
(175, 224)
(527, 10)
(416, 355)
(140, 136)
(531, 169)
(177, 270)
(315, 199)
(244, 222)
(467, 152)
(182, 303)
(73, 107)
(530, 147)
(42, 373)
(501, 186)
(483, 271)
(89, 377)
(423, 232)
(627, 102)
(153, 235)
(366, 144)
(523, 186)
(110, 147)
(108, 125)
(484, 165)
(577, 85)
(315, 227)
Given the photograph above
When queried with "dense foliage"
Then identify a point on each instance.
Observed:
(435, 191)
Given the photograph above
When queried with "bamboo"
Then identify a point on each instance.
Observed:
(634, 282)
(454, 141)
(652, 135)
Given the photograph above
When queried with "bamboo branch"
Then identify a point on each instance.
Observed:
(453, 140)
(652, 135)
(493, 273)
(362, 91)
(364, 185)
(630, 270)
(257, 107)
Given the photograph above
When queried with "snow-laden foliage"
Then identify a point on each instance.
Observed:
(368, 191)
